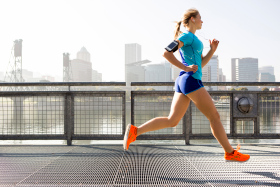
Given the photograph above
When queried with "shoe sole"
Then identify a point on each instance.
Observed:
(236, 160)
(126, 136)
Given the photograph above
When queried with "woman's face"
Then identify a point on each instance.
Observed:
(198, 22)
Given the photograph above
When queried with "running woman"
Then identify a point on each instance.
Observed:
(188, 86)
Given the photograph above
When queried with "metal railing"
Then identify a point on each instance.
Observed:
(101, 115)
(263, 122)
(62, 115)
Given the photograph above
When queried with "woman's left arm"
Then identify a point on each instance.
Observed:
(213, 45)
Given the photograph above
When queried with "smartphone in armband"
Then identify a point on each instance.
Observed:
(173, 46)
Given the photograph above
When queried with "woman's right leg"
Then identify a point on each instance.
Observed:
(205, 104)
(179, 107)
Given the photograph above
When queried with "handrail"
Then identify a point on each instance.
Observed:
(209, 83)
(62, 84)
(4, 84)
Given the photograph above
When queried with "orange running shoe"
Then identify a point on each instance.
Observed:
(130, 136)
(236, 156)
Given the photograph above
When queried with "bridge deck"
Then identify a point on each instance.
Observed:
(142, 165)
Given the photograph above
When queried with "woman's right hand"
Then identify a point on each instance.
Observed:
(191, 68)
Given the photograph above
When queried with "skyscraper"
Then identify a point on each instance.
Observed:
(206, 74)
(82, 67)
(210, 72)
(244, 70)
(83, 54)
(132, 53)
(134, 71)
(222, 77)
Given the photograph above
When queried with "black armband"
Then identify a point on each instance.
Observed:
(173, 46)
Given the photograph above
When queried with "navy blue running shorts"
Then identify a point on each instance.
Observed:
(186, 84)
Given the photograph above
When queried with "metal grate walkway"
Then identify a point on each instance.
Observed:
(142, 165)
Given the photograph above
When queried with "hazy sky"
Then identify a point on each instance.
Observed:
(48, 28)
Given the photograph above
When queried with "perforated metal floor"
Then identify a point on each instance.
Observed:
(142, 165)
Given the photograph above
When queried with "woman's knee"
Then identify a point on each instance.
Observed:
(172, 122)
(215, 117)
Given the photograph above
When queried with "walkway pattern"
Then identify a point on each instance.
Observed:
(142, 165)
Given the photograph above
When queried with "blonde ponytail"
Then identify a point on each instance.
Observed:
(177, 30)
(185, 21)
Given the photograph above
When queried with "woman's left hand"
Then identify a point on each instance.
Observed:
(214, 44)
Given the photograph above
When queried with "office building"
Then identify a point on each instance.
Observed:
(159, 73)
(132, 53)
(96, 76)
(244, 70)
(134, 69)
(175, 72)
(210, 72)
(82, 67)
(266, 74)
(266, 77)
(267, 69)
(206, 74)
(222, 77)
(83, 54)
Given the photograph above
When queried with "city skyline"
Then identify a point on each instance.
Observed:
(104, 30)
(211, 72)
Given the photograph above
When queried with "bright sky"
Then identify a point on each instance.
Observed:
(48, 28)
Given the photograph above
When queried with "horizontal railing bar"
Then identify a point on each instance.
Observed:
(63, 84)
(5, 84)
(152, 84)
(120, 137)
(209, 83)
(97, 137)
(162, 137)
(243, 92)
(142, 137)
(59, 93)
(161, 93)
(219, 92)
(33, 137)
(239, 136)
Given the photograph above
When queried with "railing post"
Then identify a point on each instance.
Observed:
(232, 122)
(132, 107)
(257, 125)
(69, 117)
(187, 124)
(124, 112)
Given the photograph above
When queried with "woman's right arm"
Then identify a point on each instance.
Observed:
(173, 60)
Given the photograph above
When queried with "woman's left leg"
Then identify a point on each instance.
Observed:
(179, 107)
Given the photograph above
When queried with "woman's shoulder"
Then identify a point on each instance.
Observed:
(185, 34)
(186, 37)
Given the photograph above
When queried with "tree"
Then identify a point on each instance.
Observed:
(150, 89)
(265, 89)
(242, 89)
(224, 97)
(232, 89)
